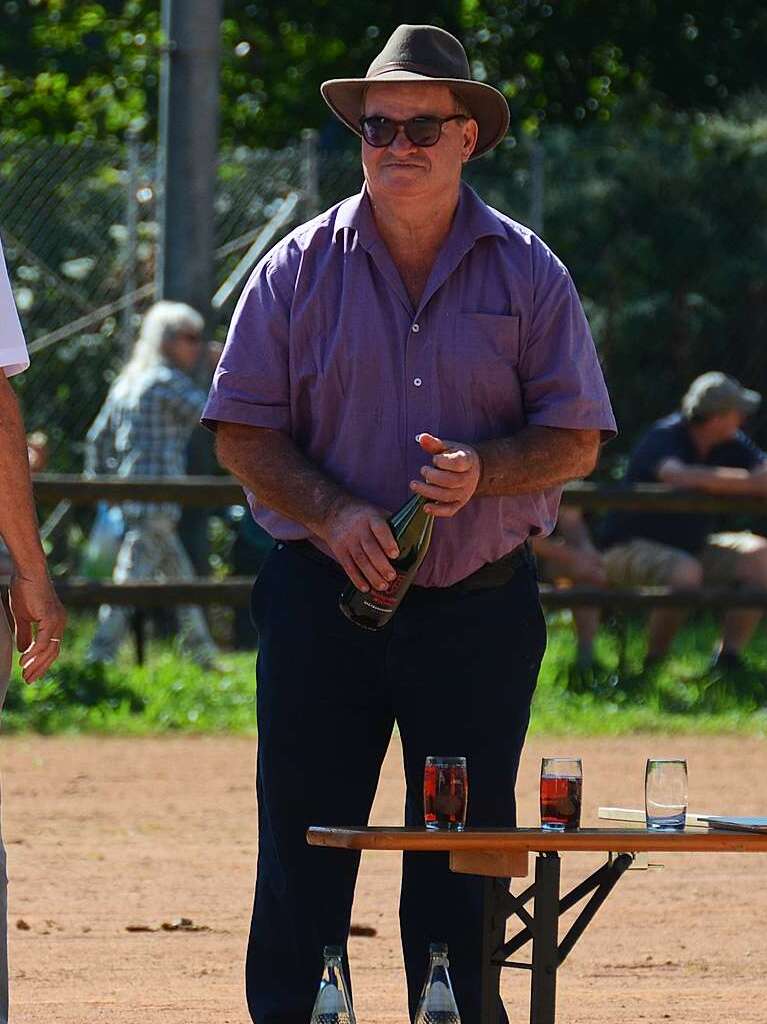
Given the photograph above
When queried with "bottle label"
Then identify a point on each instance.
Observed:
(386, 600)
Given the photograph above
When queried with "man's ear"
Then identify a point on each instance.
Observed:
(470, 136)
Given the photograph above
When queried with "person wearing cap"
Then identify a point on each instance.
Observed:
(35, 609)
(409, 339)
(701, 447)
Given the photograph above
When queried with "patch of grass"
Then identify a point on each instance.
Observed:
(681, 696)
(170, 693)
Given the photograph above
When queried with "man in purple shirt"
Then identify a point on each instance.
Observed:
(409, 309)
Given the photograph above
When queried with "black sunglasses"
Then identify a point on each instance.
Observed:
(424, 130)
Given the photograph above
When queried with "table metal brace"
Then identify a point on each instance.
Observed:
(541, 927)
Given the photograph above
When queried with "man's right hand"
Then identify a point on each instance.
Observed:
(358, 534)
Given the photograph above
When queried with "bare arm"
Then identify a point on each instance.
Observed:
(714, 479)
(33, 599)
(535, 458)
(18, 520)
(269, 464)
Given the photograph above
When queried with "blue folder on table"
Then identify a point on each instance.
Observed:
(737, 824)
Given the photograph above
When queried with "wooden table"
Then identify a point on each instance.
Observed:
(502, 854)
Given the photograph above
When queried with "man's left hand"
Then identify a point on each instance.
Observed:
(34, 604)
(451, 479)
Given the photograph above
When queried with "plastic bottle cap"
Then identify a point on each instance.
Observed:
(332, 951)
(438, 947)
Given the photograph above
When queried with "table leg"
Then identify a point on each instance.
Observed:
(543, 991)
(540, 925)
(493, 936)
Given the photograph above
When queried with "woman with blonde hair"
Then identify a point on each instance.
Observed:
(142, 430)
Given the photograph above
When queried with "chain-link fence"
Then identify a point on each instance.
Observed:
(79, 228)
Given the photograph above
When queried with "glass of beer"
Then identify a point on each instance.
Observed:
(445, 793)
(561, 793)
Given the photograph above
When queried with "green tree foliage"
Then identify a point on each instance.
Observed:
(75, 70)
(566, 61)
(69, 70)
(276, 54)
(665, 238)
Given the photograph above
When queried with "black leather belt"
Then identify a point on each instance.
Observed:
(491, 574)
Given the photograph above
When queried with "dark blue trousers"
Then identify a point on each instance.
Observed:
(456, 672)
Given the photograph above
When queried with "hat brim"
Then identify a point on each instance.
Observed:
(487, 105)
(749, 401)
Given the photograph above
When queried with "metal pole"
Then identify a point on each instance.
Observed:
(189, 102)
(131, 240)
(310, 172)
(536, 187)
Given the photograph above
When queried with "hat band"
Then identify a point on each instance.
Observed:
(419, 69)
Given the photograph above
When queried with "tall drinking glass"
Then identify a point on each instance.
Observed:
(445, 793)
(561, 793)
(665, 791)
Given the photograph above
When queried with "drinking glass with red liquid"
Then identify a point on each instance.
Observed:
(561, 793)
(445, 793)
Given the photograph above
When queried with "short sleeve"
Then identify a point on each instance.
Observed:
(752, 453)
(13, 349)
(251, 384)
(657, 445)
(741, 452)
(562, 381)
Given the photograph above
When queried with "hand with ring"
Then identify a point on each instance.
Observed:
(40, 621)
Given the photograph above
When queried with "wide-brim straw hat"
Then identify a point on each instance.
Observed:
(423, 53)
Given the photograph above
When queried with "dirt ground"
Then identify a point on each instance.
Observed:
(108, 834)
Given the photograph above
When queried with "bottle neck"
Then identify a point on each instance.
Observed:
(333, 968)
(408, 510)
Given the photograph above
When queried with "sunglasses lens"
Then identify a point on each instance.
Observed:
(423, 131)
(378, 131)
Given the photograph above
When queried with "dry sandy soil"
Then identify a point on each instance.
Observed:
(104, 834)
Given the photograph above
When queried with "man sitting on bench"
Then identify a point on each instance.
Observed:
(699, 448)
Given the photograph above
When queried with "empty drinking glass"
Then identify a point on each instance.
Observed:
(665, 792)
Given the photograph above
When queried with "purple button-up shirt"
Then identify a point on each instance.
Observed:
(326, 346)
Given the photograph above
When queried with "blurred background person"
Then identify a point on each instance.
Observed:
(699, 448)
(142, 430)
(570, 556)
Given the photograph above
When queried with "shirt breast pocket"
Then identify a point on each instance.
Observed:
(488, 346)
(487, 336)
(484, 358)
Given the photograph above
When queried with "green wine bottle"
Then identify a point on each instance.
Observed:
(411, 528)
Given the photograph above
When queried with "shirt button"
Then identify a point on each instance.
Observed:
(417, 381)
(416, 328)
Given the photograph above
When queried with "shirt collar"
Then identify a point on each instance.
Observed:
(473, 219)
